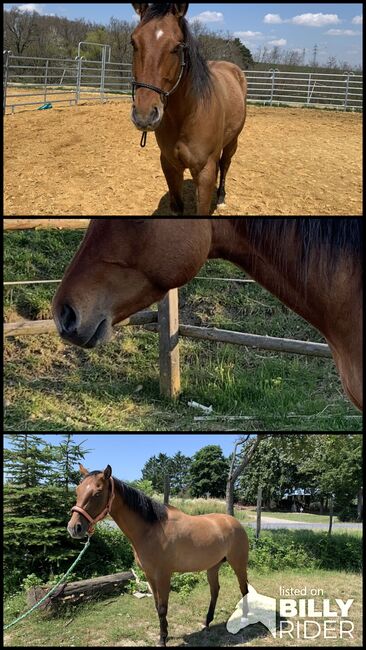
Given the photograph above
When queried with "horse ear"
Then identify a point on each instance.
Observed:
(140, 8)
(107, 472)
(83, 470)
(180, 9)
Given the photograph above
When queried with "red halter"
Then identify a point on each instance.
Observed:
(103, 514)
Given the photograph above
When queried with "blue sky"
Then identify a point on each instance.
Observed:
(128, 453)
(336, 28)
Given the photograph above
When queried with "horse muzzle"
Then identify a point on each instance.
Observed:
(146, 122)
(72, 330)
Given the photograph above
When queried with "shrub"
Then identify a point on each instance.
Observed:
(279, 550)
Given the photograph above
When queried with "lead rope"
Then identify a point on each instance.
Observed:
(52, 590)
(143, 139)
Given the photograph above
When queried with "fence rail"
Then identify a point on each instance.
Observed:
(165, 322)
(36, 81)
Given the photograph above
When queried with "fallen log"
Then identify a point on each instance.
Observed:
(74, 592)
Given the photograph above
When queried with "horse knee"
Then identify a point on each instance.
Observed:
(162, 610)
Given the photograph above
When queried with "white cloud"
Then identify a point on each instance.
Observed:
(209, 17)
(315, 20)
(280, 42)
(30, 8)
(247, 35)
(342, 32)
(272, 19)
(357, 20)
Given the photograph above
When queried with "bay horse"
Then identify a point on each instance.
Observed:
(164, 539)
(313, 265)
(196, 108)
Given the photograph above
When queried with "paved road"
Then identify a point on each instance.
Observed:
(273, 524)
(298, 525)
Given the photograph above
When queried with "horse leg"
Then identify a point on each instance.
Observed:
(174, 179)
(163, 588)
(152, 584)
(238, 563)
(205, 181)
(213, 579)
(225, 162)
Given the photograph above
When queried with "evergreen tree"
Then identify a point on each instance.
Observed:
(36, 511)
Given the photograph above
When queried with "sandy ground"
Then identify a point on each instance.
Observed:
(86, 160)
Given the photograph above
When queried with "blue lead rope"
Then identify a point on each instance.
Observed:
(52, 590)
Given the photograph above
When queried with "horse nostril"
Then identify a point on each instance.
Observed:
(78, 529)
(155, 114)
(68, 320)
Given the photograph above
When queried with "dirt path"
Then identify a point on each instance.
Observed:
(86, 160)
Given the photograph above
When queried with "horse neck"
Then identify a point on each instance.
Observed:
(182, 103)
(130, 522)
(308, 298)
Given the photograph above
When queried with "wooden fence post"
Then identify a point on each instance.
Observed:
(169, 345)
(259, 512)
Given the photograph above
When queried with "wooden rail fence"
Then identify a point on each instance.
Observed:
(165, 322)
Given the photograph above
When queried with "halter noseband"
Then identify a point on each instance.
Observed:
(164, 94)
(101, 516)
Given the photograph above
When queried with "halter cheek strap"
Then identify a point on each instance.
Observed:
(101, 516)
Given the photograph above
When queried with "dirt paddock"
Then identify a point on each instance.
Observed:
(86, 160)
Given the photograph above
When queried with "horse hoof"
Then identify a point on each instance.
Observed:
(221, 206)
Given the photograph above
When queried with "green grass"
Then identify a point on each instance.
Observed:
(126, 621)
(50, 387)
(292, 516)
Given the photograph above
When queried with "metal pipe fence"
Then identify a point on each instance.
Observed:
(34, 81)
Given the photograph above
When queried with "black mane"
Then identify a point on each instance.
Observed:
(197, 67)
(150, 510)
(330, 238)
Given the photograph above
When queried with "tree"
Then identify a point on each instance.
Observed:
(155, 470)
(20, 30)
(209, 472)
(28, 462)
(180, 473)
(333, 464)
(238, 466)
(66, 456)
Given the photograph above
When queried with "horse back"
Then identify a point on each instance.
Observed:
(229, 77)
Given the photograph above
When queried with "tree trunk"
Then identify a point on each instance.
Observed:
(360, 504)
(234, 474)
(230, 498)
(330, 515)
(166, 489)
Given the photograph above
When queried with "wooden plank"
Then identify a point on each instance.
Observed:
(254, 341)
(34, 328)
(169, 345)
(29, 224)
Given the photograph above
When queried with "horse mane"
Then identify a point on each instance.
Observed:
(330, 238)
(149, 510)
(197, 66)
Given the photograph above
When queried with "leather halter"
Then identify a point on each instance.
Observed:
(164, 94)
(101, 516)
